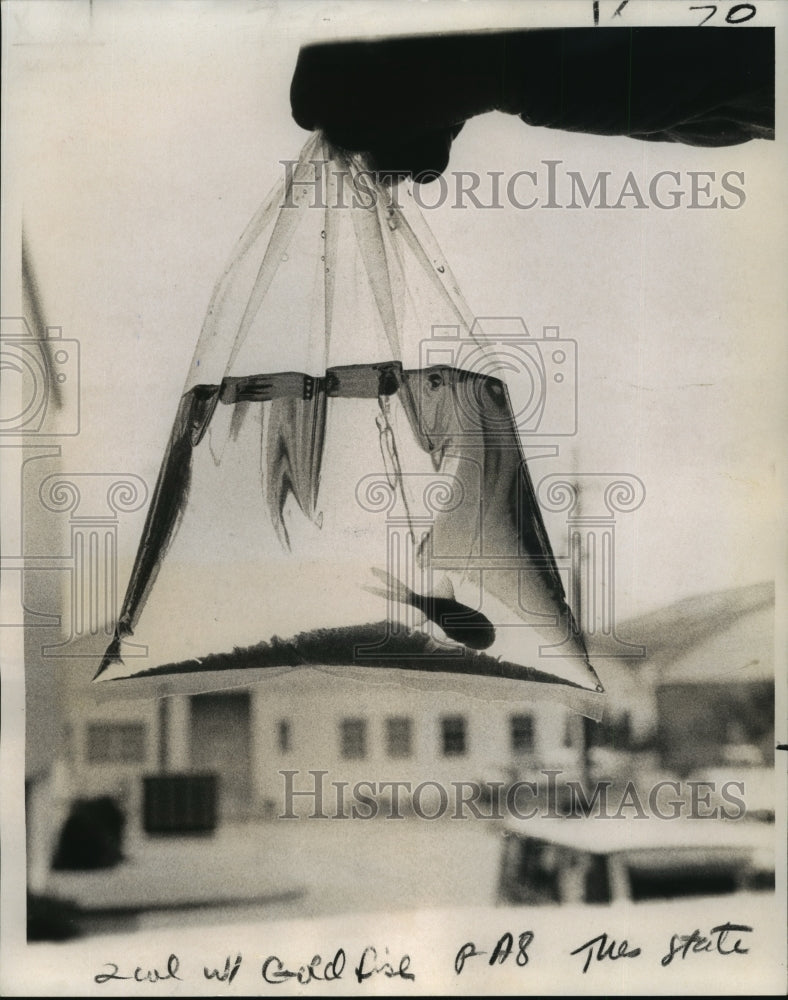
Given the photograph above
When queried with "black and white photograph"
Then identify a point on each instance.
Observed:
(393, 554)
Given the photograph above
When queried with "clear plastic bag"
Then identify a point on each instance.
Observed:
(344, 487)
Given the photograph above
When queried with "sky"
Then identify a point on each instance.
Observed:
(145, 137)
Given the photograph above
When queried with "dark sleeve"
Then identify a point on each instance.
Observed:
(404, 99)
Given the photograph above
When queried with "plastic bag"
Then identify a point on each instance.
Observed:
(344, 487)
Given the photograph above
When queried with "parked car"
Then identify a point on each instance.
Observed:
(593, 860)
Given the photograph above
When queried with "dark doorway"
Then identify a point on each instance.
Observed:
(221, 743)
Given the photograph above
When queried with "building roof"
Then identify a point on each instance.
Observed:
(675, 628)
(742, 652)
(722, 636)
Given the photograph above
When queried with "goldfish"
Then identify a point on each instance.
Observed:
(459, 622)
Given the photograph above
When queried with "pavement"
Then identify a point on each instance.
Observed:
(287, 869)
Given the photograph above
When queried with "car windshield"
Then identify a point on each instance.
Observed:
(657, 883)
(542, 872)
(688, 872)
(549, 873)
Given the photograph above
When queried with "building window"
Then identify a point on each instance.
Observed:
(354, 738)
(454, 735)
(521, 728)
(284, 736)
(116, 743)
(399, 736)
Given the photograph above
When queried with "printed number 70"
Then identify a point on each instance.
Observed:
(737, 14)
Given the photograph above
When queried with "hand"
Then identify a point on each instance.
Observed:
(404, 100)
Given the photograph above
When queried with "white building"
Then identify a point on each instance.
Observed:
(312, 721)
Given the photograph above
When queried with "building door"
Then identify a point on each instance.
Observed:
(221, 743)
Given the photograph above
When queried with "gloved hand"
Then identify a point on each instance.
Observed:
(403, 100)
